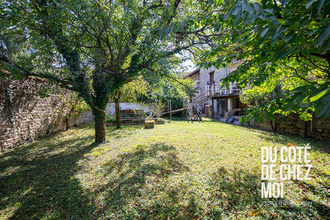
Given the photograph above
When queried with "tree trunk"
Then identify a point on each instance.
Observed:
(99, 117)
(306, 129)
(117, 99)
(67, 119)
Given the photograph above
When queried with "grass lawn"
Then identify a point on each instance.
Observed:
(178, 170)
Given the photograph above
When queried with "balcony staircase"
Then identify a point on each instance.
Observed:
(194, 111)
(201, 98)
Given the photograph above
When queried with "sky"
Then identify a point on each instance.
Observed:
(189, 66)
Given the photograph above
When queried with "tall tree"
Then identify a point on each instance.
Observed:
(90, 47)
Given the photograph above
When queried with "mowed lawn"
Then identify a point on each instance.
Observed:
(178, 170)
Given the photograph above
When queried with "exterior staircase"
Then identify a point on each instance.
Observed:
(201, 97)
(194, 108)
(194, 111)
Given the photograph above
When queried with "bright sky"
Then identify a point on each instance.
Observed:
(189, 65)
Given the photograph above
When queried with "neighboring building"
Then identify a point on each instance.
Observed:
(224, 103)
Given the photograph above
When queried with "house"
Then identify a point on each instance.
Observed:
(225, 103)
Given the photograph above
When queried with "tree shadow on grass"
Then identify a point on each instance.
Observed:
(124, 131)
(38, 181)
(130, 173)
(287, 138)
(320, 190)
(233, 192)
(237, 194)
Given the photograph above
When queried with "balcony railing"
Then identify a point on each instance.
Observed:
(214, 90)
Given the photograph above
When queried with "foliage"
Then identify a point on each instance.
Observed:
(270, 98)
(161, 173)
(75, 104)
(90, 47)
(157, 108)
(135, 91)
(276, 38)
(45, 90)
(174, 90)
(110, 118)
(149, 88)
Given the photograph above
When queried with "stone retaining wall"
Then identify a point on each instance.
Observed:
(317, 128)
(24, 115)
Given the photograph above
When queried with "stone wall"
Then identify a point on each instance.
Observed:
(317, 128)
(24, 115)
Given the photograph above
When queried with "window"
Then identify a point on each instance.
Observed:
(212, 76)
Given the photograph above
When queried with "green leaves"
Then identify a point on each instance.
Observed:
(286, 44)
(263, 33)
(93, 47)
(309, 3)
(323, 107)
(316, 96)
(319, 5)
(311, 96)
(324, 38)
(288, 36)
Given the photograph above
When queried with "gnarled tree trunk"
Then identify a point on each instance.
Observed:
(99, 118)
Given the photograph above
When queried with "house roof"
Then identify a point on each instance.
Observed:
(192, 73)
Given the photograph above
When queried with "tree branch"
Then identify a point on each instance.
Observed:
(324, 70)
(297, 74)
(324, 56)
(65, 83)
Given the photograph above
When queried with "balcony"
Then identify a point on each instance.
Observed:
(209, 83)
(214, 90)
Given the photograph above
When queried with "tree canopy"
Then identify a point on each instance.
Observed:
(96, 47)
(91, 47)
(285, 43)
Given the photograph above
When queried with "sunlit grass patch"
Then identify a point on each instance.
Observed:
(178, 170)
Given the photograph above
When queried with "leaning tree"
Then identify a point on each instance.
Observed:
(92, 47)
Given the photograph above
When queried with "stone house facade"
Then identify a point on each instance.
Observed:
(224, 102)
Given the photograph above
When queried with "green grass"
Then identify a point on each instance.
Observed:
(178, 170)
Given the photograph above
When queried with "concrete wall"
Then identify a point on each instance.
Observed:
(126, 106)
(25, 116)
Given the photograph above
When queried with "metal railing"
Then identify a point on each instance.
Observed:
(201, 97)
(215, 89)
(198, 110)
